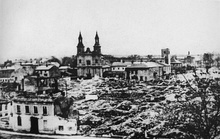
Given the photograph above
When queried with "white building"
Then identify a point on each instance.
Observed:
(4, 114)
(120, 66)
(36, 115)
(144, 71)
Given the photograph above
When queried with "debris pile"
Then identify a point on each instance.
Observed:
(157, 109)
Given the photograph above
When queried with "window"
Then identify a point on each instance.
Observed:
(45, 123)
(19, 120)
(6, 106)
(88, 62)
(18, 108)
(141, 78)
(44, 110)
(60, 128)
(80, 60)
(96, 61)
(0, 107)
(27, 109)
(118, 68)
(35, 109)
(136, 72)
(70, 128)
(6, 114)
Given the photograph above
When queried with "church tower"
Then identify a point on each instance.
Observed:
(97, 47)
(80, 46)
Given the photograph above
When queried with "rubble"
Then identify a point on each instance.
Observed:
(124, 107)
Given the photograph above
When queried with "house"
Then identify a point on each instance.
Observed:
(35, 114)
(175, 63)
(47, 71)
(120, 66)
(144, 71)
(5, 74)
(89, 63)
(118, 69)
(4, 114)
(166, 69)
(67, 71)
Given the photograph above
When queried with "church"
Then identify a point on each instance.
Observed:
(89, 62)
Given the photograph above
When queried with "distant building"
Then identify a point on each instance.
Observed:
(36, 115)
(175, 63)
(120, 66)
(89, 63)
(118, 69)
(165, 54)
(144, 71)
(189, 60)
(66, 71)
(5, 75)
(47, 71)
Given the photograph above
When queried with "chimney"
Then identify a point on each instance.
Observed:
(188, 52)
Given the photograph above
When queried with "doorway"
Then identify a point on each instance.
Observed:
(34, 125)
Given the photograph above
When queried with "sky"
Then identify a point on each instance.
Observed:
(44, 28)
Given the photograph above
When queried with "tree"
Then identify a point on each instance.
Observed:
(208, 60)
(54, 59)
(149, 56)
(134, 57)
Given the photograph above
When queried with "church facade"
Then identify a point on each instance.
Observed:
(89, 62)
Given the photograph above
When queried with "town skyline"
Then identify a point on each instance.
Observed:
(31, 29)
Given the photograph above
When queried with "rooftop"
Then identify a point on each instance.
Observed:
(121, 64)
(145, 65)
(44, 67)
(33, 99)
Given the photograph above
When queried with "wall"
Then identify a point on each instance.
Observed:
(118, 68)
(145, 74)
(25, 117)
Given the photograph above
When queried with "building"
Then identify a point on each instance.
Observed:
(175, 63)
(46, 78)
(47, 71)
(4, 114)
(144, 71)
(67, 71)
(89, 63)
(120, 66)
(5, 75)
(35, 114)
(118, 69)
(166, 69)
(165, 54)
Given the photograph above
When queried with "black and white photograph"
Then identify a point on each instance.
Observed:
(110, 69)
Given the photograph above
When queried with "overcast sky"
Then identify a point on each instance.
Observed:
(35, 28)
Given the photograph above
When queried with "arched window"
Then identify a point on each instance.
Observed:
(19, 120)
